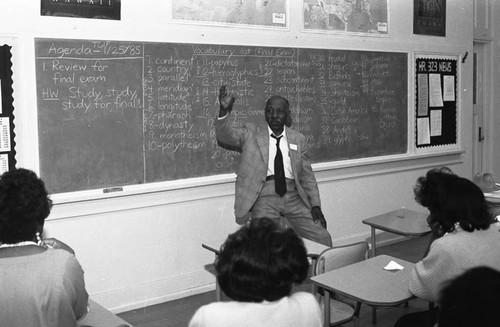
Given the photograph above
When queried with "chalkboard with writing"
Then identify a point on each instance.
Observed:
(114, 113)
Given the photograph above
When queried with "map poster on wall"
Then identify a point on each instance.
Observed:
(97, 9)
(368, 17)
(429, 17)
(266, 13)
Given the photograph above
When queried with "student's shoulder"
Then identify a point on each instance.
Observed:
(303, 297)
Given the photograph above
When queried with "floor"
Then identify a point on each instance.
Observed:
(178, 312)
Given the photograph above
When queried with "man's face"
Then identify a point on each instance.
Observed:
(276, 114)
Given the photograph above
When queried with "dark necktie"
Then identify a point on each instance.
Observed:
(279, 170)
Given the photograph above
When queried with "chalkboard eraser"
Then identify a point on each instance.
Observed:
(112, 189)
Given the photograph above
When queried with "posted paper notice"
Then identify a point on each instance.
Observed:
(4, 134)
(436, 96)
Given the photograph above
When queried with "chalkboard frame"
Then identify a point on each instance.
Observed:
(111, 191)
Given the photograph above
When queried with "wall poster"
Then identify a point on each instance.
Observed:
(429, 17)
(367, 17)
(265, 13)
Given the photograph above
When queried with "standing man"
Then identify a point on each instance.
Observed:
(275, 178)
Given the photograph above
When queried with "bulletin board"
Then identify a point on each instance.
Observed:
(436, 111)
(7, 143)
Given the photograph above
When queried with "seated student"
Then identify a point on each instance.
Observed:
(462, 238)
(257, 268)
(472, 299)
(41, 281)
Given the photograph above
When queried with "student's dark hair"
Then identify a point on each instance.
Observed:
(471, 299)
(288, 121)
(24, 205)
(261, 261)
(452, 199)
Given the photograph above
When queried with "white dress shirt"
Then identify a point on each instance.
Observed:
(285, 151)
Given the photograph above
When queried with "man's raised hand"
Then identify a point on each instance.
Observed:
(226, 101)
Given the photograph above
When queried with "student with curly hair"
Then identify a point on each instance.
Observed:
(463, 237)
(257, 267)
(41, 281)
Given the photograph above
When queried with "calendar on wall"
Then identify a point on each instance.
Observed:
(7, 142)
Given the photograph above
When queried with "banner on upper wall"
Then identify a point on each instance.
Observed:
(97, 9)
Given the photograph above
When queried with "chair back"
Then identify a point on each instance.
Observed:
(341, 256)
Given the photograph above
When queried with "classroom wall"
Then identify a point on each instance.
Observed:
(142, 249)
(495, 95)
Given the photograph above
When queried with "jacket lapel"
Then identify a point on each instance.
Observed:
(263, 142)
(292, 139)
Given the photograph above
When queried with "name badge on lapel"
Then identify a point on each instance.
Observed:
(293, 146)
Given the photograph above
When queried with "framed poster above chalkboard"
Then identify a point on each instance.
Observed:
(346, 17)
(429, 17)
(255, 13)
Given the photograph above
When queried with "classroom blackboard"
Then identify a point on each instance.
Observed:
(114, 113)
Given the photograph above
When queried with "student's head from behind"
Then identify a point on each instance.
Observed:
(471, 299)
(24, 205)
(452, 199)
(261, 261)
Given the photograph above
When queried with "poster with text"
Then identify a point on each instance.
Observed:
(429, 17)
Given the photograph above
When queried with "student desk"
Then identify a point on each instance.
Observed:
(313, 251)
(401, 221)
(367, 282)
(98, 316)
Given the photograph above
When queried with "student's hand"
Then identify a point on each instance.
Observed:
(435, 226)
(54, 243)
(318, 216)
(226, 101)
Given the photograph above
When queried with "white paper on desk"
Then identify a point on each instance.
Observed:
(393, 266)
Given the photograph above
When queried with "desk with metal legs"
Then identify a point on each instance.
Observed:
(401, 221)
(367, 282)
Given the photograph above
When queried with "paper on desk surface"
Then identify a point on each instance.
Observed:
(393, 266)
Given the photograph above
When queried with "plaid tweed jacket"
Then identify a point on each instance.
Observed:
(252, 140)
